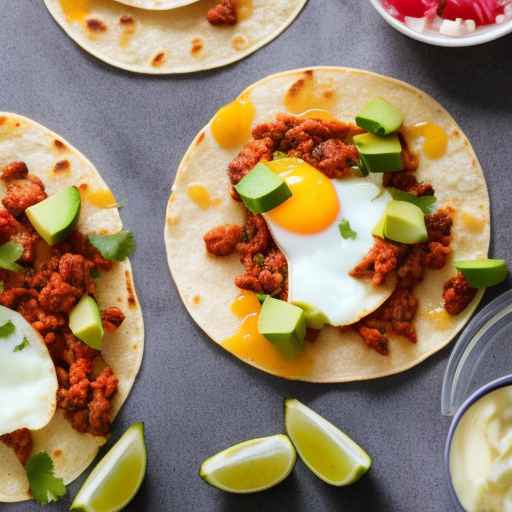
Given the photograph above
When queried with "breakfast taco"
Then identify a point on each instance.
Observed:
(331, 225)
(173, 36)
(71, 328)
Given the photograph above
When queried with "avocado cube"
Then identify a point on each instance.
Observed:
(262, 189)
(380, 117)
(315, 319)
(85, 322)
(483, 273)
(379, 154)
(405, 223)
(378, 230)
(56, 216)
(284, 325)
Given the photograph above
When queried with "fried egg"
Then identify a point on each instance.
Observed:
(28, 382)
(306, 229)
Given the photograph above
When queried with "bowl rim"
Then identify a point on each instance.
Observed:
(476, 38)
(479, 393)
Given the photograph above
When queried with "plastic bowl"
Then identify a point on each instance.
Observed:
(480, 36)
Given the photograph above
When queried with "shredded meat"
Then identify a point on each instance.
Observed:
(326, 145)
(457, 294)
(224, 13)
(439, 226)
(112, 318)
(395, 316)
(383, 258)
(52, 282)
(22, 193)
(222, 240)
(21, 442)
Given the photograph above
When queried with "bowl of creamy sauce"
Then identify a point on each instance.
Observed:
(479, 450)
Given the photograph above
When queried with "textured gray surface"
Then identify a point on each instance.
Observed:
(195, 399)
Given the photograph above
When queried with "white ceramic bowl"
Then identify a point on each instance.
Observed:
(480, 36)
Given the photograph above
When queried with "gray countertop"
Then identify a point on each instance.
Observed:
(195, 399)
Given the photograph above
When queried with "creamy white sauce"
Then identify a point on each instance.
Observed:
(481, 454)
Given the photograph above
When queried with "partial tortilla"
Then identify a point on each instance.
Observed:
(72, 452)
(205, 283)
(157, 5)
(174, 41)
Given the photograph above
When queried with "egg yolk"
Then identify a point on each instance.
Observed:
(314, 204)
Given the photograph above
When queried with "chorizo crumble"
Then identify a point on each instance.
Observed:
(327, 145)
(52, 281)
(224, 13)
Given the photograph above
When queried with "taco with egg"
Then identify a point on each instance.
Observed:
(173, 36)
(317, 224)
(71, 328)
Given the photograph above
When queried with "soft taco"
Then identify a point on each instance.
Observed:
(141, 36)
(283, 199)
(71, 328)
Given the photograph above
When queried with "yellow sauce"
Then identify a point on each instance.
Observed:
(318, 113)
(472, 222)
(248, 344)
(75, 10)
(244, 9)
(440, 318)
(306, 94)
(435, 139)
(232, 124)
(101, 198)
(201, 197)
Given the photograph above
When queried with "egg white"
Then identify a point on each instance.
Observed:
(28, 383)
(319, 264)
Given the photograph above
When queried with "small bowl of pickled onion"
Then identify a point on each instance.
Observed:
(448, 22)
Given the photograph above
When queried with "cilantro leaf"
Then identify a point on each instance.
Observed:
(277, 155)
(114, 247)
(10, 252)
(426, 203)
(24, 344)
(94, 273)
(6, 329)
(346, 231)
(45, 486)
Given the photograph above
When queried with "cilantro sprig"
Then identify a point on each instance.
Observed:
(346, 231)
(23, 345)
(426, 203)
(44, 485)
(6, 329)
(10, 252)
(114, 247)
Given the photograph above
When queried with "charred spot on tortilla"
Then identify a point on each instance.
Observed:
(96, 26)
(132, 302)
(197, 46)
(239, 42)
(59, 145)
(200, 138)
(159, 59)
(62, 166)
(127, 22)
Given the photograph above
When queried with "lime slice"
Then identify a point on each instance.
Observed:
(116, 479)
(329, 453)
(250, 466)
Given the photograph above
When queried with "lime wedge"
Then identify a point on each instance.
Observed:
(250, 466)
(329, 453)
(116, 479)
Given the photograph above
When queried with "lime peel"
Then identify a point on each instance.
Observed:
(117, 478)
(328, 452)
(251, 466)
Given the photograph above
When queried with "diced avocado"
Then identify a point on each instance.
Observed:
(483, 273)
(56, 216)
(262, 189)
(379, 154)
(380, 117)
(378, 230)
(315, 319)
(405, 223)
(85, 322)
(284, 325)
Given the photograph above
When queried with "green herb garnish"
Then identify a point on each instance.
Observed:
(426, 203)
(114, 247)
(23, 345)
(346, 231)
(277, 155)
(94, 273)
(258, 259)
(10, 252)
(45, 486)
(6, 329)
(261, 297)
